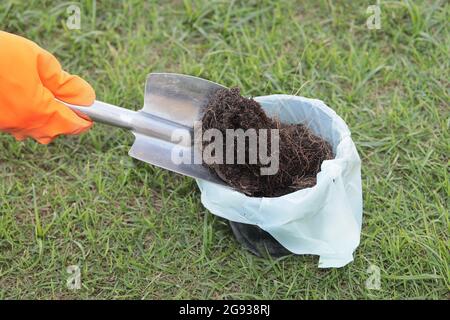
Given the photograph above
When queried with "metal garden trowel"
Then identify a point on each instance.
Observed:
(171, 102)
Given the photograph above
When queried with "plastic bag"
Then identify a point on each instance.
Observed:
(324, 220)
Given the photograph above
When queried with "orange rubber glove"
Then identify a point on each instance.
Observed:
(30, 80)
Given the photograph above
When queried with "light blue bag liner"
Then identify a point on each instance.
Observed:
(324, 220)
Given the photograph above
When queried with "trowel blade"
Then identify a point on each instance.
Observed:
(176, 100)
(177, 97)
(158, 152)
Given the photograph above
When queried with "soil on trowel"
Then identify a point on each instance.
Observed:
(301, 152)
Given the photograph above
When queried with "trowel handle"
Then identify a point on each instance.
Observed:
(136, 121)
(107, 113)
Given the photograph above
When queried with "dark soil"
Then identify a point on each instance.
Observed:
(301, 152)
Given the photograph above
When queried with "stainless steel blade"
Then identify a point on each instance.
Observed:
(172, 103)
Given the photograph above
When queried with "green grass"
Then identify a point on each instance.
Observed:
(140, 232)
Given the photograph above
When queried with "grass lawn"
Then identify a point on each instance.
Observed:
(137, 231)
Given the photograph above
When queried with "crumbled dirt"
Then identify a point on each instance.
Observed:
(301, 152)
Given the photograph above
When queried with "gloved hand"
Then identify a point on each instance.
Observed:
(30, 80)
